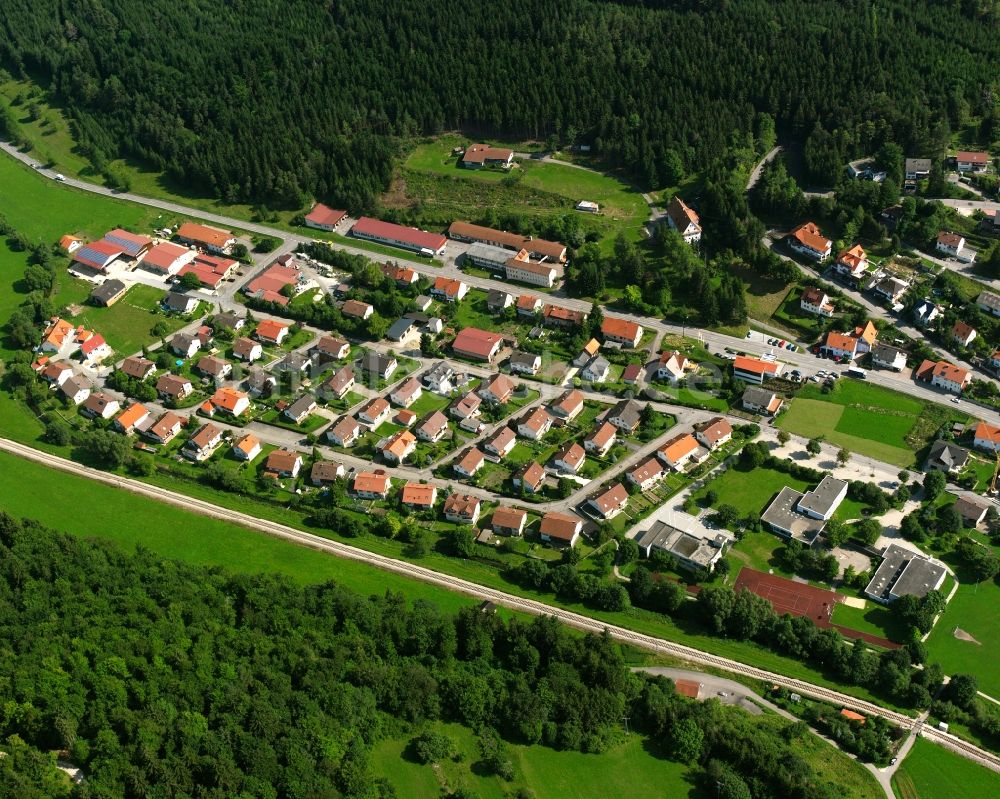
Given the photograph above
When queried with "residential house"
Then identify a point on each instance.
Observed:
(685, 221)
(166, 428)
(501, 442)
(372, 485)
(626, 416)
(963, 334)
(246, 447)
(478, 156)
(344, 432)
(568, 406)
(995, 360)
(570, 458)
(761, 401)
(228, 320)
(950, 243)
(560, 528)
(534, 424)
(382, 366)
(946, 456)
(356, 309)
(94, 348)
(807, 240)
(406, 393)
(462, 509)
(134, 416)
(497, 301)
(260, 384)
(284, 463)
(508, 521)
(467, 407)
(816, 301)
(179, 303)
(971, 161)
(917, 169)
(76, 389)
(521, 270)
(404, 418)
(678, 451)
(293, 363)
(888, 357)
(754, 370)
(56, 373)
(986, 437)
(631, 374)
(398, 447)
(943, 375)
(100, 406)
(271, 332)
(524, 363)
(470, 463)
(172, 387)
(440, 378)
(402, 276)
(925, 313)
(646, 474)
(330, 348)
(478, 345)
(340, 383)
(973, 512)
(246, 349)
(556, 316)
(528, 305)
(840, 345)
(610, 503)
(433, 428)
(529, 478)
(989, 302)
(418, 496)
(448, 289)
(57, 335)
(184, 345)
(852, 263)
(108, 293)
(137, 367)
(323, 473)
(498, 390)
(300, 410)
(213, 367)
(601, 440)
(203, 443)
(890, 288)
(404, 331)
(672, 366)
(374, 412)
(596, 370)
(621, 331)
(714, 433)
(233, 402)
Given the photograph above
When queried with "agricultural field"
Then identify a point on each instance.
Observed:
(866, 419)
(932, 772)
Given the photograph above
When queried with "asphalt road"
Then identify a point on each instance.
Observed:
(576, 620)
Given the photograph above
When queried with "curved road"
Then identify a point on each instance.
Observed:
(534, 607)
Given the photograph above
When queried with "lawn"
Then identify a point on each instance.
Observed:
(933, 772)
(750, 491)
(973, 609)
(873, 618)
(127, 325)
(131, 521)
(43, 210)
(12, 266)
(811, 417)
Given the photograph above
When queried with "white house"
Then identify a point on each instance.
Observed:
(950, 243)
(685, 221)
(816, 301)
(807, 240)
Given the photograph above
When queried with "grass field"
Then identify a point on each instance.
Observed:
(974, 610)
(127, 324)
(56, 499)
(865, 419)
(932, 772)
(750, 491)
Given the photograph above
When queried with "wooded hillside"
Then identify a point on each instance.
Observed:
(276, 100)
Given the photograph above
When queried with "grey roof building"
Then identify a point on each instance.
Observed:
(947, 457)
(693, 547)
(903, 572)
(822, 501)
(401, 328)
(108, 292)
(783, 517)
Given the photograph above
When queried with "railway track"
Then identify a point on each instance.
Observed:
(512, 601)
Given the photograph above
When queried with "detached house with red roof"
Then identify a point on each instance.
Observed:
(398, 447)
(372, 485)
(560, 528)
(986, 437)
(754, 370)
(816, 301)
(448, 289)
(462, 509)
(647, 474)
(534, 424)
(568, 405)
(271, 332)
(478, 345)
(501, 442)
(713, 433)
(621, 331)
(950, 243)
(529, 478)
(679, 451)
(345, 432)
(477, 156)
(508, 521)
(95, 349)
(944, 375)
(971, 161)
(610, 503)
(685, 221)
(283, 463)
(852, 262)
(470, 463)
(233, 402)
(807, 240)
(601, 440)
(322, 217)
(963, 334)
(166, 428)
(418, 496)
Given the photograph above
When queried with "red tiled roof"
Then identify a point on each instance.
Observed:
(387, 230)
(561, 526)
(420, 494)
(476, 342)
(203, 234)
(324, 215)
(808, 234)
(755, 366)
(620, 328)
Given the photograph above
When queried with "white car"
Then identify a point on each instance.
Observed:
(60, 176)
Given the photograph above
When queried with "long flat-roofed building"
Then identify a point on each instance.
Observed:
(904, 572)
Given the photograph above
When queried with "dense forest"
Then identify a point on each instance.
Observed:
(162, 679)
(280, 100)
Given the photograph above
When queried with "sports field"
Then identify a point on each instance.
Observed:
(861, 417)
(932, 772)
(973, 610)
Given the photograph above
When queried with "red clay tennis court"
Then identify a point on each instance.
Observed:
(788, 596)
